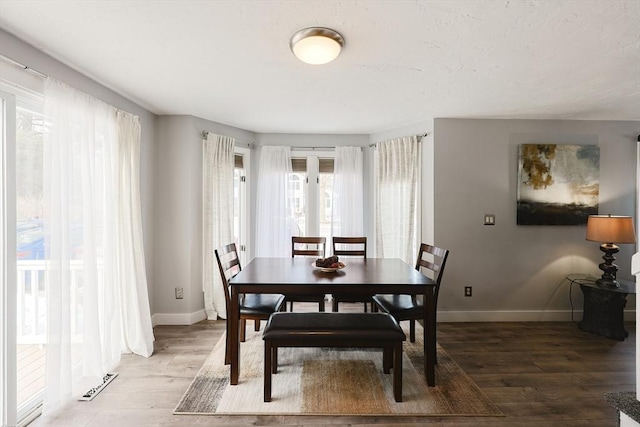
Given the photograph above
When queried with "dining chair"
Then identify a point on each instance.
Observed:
(350, 246)
(309, 247)
(408, 307)
(254, 307)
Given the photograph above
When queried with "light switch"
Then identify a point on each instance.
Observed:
(489, 219)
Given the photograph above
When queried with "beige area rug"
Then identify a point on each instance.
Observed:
(323, 381)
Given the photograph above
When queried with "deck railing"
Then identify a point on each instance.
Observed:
(32, 293)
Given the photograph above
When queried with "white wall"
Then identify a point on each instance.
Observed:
(24, 53)
(517, 272)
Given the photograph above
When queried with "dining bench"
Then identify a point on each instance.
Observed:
(345, 330)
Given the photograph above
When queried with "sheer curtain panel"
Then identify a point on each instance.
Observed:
(97, 304)
(217, 204)
(398, 198)
(137, 334)
(347, 207)
(274, 210)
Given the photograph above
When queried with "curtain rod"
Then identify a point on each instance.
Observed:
(24, 67)
(251, 145)
(418, 136)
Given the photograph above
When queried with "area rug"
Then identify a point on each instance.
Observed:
(323, 381)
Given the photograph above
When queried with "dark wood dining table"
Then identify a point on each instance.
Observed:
(359, 277)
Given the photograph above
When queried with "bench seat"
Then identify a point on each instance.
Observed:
(346, 330)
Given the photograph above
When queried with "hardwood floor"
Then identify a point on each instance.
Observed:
(538, 373)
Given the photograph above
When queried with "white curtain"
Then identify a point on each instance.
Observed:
(347, 199)
(274, 210)
(97, 303)
(398, 199)
(217, 227)
(137, 334)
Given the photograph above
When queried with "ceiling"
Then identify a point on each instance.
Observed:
(404, 62)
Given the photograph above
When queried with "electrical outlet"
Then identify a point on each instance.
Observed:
(467, 291)
(489, 219)
(179, 293)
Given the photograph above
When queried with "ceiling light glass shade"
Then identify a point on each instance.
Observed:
(316, 45)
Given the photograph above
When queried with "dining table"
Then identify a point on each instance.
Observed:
(360, 276)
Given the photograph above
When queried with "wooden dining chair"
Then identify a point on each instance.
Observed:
(408, 307)
(350, 246)
(310, 247)
(254, 307)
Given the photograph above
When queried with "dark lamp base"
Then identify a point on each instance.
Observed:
(609, 269)
(608, 283)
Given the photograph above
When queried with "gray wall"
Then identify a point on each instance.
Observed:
(517, 272)
(469, 170)
(178, 246)
(26, 54)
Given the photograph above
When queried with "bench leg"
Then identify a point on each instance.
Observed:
(397, 372)
(267, 371)
(321, 305)
(256, 326)
(334, 305)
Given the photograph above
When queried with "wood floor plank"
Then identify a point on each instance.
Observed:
(538, 373)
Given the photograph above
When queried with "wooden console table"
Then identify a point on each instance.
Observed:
(603, 312)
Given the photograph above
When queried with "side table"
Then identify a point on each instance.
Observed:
(603, 312)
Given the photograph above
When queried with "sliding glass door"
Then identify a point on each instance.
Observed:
(8, 404)
(23, 301)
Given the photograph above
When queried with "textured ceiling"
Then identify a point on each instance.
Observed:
(404, 61)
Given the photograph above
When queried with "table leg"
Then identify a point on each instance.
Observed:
(429, 337)
(234, 320)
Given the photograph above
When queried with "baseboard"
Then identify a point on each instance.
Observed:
(443, 316)
(518, 316)
(178, 318)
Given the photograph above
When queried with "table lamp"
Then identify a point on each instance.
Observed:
(610, 229)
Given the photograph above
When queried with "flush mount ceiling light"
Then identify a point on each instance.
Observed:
(316, 45)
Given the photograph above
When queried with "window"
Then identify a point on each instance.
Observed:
(240, 202)
(312, 185)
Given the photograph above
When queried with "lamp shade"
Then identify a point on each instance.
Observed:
(610, 229)
(316, 45)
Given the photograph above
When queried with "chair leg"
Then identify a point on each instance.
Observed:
(267, 371)
(397, 372)
(256, 326)
(274, 359)
(387, 355)
(412, 330)
(365, 307)
(321, 305)
(334, 305)
(243, 325)
(227, 347)
(290, 305)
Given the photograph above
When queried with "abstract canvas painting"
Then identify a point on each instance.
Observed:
(557, 184)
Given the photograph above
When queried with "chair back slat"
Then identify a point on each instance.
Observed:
(360, 244)
(228, 265)
(300, 246)
(435, 266)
